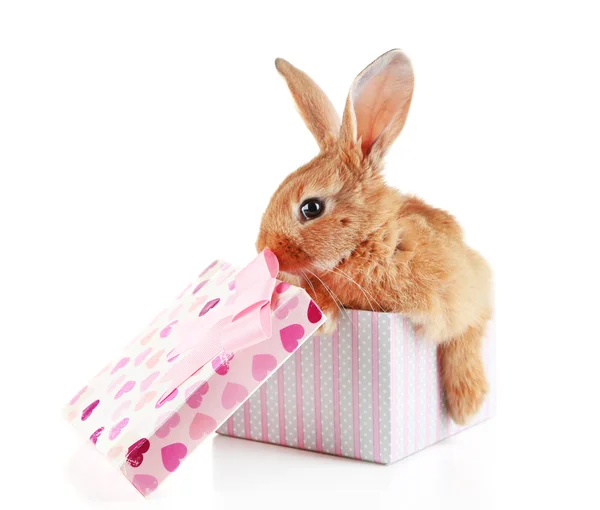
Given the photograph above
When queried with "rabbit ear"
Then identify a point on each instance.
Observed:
(378, 104)
(314, 106)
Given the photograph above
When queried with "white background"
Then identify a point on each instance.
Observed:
(141, 140)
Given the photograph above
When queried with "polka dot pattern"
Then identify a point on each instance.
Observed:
(411, 409)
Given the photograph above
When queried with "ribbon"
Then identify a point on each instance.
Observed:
(243, 321)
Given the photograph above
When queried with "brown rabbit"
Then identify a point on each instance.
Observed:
(351, 240)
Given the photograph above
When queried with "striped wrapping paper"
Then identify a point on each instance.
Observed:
(369, 391)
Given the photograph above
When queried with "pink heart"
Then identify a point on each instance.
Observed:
(225, 265)
(135, 453)
(172, 455)
(148, 337)
(213, 264)
(146, 399)
(116, 430)
(94, 437)
(115, 383)
(151, 363)
(198, 302)
(167, 329)
(145, 483)
(262, 364)
(119, 410)
(290, 336)
(172, 422)
(209, 306)
(195, 393)
(89, 409)
(146, 383)
(201, 426)
(233, 394)
(76, 397)
(123, 362)
(314, 314)
(282, 287)
(231, 285)
(171, 359)
(163, 400)
(199, 286)
(221, 363)
(283, 312)
(142, 356)
(127, 387)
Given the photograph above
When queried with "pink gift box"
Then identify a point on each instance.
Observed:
(145, 417)
(369, 391)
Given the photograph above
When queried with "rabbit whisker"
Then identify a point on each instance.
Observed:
(366, 293)
(336, 299)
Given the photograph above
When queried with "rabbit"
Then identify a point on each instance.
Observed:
(351, 241)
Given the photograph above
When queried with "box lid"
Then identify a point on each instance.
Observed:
(146, 423)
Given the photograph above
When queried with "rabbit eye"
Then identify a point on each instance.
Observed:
(312, 208)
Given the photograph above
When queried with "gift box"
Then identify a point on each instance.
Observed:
(195, 364)
(369, 391)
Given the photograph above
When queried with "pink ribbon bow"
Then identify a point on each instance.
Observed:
(242, 322)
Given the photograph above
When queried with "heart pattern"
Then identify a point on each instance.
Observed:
(142, 356)
(151, 363)
(126, 388)
(121, 364)
(76, 397)
(221, 363)
(233, 394)
(146, 338)
(262, 365)
(313, 314)
(94, 437)
(145, 484)
(195, 393)
(166, 331)
(209, 306)
(290, 335)
(135, 453)
(172, 455)
(115, 383)
(162, 401)
(131, 391)
(284, 311)
(116, 430)
(202, 425)
(199, 286)
(146, 383)
(146, 399)
(87, 412)
(213, 264)
(199, 300)
(172, 422)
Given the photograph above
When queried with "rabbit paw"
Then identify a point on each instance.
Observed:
(465, 397)
(328, 327)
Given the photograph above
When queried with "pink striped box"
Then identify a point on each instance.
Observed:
(369, 391)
